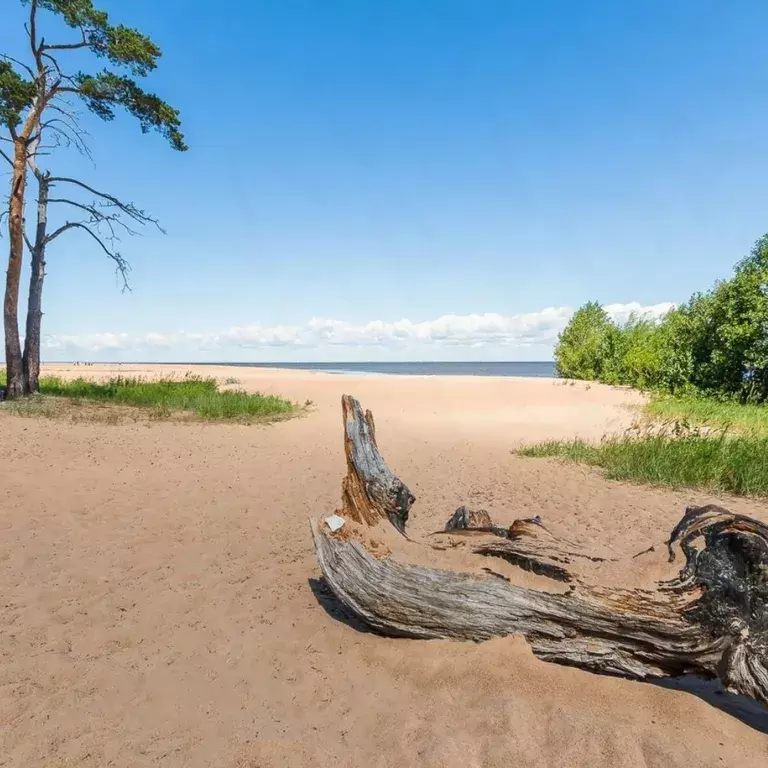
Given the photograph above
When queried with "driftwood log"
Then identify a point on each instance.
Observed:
(712, 620)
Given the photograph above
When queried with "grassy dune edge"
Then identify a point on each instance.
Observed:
(719, 462)
(162, 398)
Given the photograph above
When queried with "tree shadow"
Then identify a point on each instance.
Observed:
(740, 707)
(334, 607)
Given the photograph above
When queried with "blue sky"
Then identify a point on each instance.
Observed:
(441, 179)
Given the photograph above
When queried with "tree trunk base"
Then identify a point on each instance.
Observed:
(14, 388)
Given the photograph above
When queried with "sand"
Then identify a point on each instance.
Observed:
(160, 602)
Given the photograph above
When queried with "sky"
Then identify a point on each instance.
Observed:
(400, 180)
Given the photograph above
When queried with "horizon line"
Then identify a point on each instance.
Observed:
(277, 363)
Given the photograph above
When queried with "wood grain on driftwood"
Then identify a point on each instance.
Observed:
(527, 543)
(711, 620)
(370, 490)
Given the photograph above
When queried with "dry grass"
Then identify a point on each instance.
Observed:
(78, 411)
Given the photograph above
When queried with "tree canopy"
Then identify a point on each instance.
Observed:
(716, 343)
(26, 90)
(582, 348)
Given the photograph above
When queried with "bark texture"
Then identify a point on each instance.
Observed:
(370, 491)
(13, 358)
(711, 620)
(527, 543)
(31, 358)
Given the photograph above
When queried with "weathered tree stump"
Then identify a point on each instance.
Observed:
(712, 620)
(370, 490)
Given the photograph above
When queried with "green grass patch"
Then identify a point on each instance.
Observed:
(710, 411)
(191, 395)
(731, 463)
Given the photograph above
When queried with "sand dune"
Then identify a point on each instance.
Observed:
(161, 603)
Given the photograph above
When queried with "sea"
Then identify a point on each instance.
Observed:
(534, 369)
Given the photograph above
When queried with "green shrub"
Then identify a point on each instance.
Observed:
(716, 343)
(582, 347)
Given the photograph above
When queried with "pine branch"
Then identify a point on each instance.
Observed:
(97, 216)
(32, 30)
(18, 63)
(122, 267)
(62, 77)
(67, 46)
(127, 208)
(71, 134)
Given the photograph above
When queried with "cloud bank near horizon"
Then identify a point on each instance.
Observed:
(474, 334)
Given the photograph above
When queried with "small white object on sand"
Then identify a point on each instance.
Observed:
(334, 522)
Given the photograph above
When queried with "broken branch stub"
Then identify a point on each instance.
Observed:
(370, 490)
(464, 519)
(712, 620)
(527, 544)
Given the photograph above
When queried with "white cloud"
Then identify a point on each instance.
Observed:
(446, 335)
(620, 313)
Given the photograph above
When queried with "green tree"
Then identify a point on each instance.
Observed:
(33, 102)
(635, 354)
(673, 352)
(585, 343)
(727, 331)
(716, 343)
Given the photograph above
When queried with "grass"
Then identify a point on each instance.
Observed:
(736, 463)
(710, 411)
(689, 441)
(191, 395)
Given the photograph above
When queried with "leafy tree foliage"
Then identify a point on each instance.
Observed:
(583, 347)
(16, 94)
(716, 343)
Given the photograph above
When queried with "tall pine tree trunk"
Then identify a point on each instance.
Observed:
(13, 357)
(35, 302)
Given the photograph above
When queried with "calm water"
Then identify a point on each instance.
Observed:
(419, 369)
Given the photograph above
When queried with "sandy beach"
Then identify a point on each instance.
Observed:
(161, 603)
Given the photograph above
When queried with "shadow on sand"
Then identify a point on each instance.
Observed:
(746, 710)
(334, 607)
